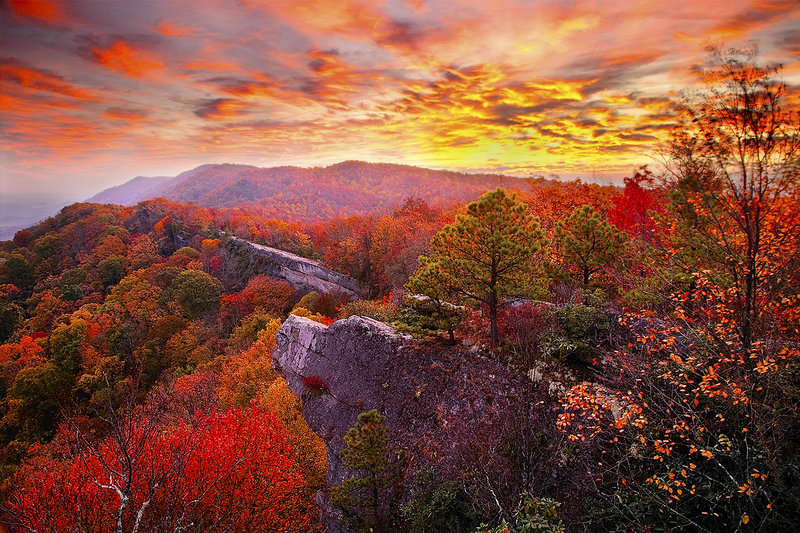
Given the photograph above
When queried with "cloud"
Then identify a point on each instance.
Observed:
(120, 56)
(171, 29)
(15, 72)
(127, 114)
(46, 11)
(537, 87)
(220, 109)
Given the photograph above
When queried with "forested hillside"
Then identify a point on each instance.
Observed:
(307, 194)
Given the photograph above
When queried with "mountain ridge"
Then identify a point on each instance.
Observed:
(347, 188)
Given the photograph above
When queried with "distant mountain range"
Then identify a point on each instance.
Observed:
(294, 193)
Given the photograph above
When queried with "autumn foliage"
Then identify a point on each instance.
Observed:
(232, 469)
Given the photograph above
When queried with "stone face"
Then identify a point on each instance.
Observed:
(353, 357)
(301, 273)
(444, 406)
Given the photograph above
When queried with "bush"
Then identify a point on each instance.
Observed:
(315, 385)
(437, 505)
(522, 329)
(322, 303)
(196, 292)
(580, 329)
(534, 515)
(111, 270)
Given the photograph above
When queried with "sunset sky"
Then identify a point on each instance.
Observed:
(95, 92)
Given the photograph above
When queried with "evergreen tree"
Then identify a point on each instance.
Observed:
(588, 242)
(486, 255)
(367, 498)
(433, 283)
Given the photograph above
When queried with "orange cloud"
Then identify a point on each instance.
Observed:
(39, 80)
(47, 11)
(360, 18)
(120, 57)
(130, 115)
(221, 109)
(176, 30)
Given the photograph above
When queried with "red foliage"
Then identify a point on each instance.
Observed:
(215, 266)
(233, 468)
(315, 385)
(22, 238)
(631, 211)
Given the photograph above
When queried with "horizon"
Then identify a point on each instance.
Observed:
(97, 93)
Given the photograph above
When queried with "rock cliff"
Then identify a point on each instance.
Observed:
(303, 274)
(447, 408)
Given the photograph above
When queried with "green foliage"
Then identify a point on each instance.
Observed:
(47, 246)
(34, 397)
(69, 283)
(588, 242)
(10, 318)
(111, 270)
(436, 288)
(437, 505)
(17, 271)
(73, 276)
(247, 333)
(534, 515)
(580, 331)
(196, 292)
(367, 499)
(71, 293)
(64, 344)
(486, 255)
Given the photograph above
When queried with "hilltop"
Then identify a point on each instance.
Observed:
(307, 194)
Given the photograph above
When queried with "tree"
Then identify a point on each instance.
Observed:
(487, 253)
(435, 288)
(196, 292)
(733, 162)
(587, 241)
(367, 498)
(229, 471)
(704, 419)
(631, 211)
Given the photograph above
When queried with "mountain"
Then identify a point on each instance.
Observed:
(134, 191)
(319, 193)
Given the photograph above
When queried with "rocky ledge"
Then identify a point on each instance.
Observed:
(447, 408)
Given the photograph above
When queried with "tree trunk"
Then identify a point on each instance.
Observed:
(749, 309)
(494, 340)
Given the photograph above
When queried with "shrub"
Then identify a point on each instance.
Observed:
(580, 331)
(315, 385)
(323, 303)
(437, 505)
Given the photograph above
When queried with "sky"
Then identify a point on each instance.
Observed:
(96, 92)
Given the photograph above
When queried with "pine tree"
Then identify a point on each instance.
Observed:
(588, 242)
(487, 253)
(433, 283)
(367, 497)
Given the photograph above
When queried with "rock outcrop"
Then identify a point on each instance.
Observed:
(447, 408)
(303, 274)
